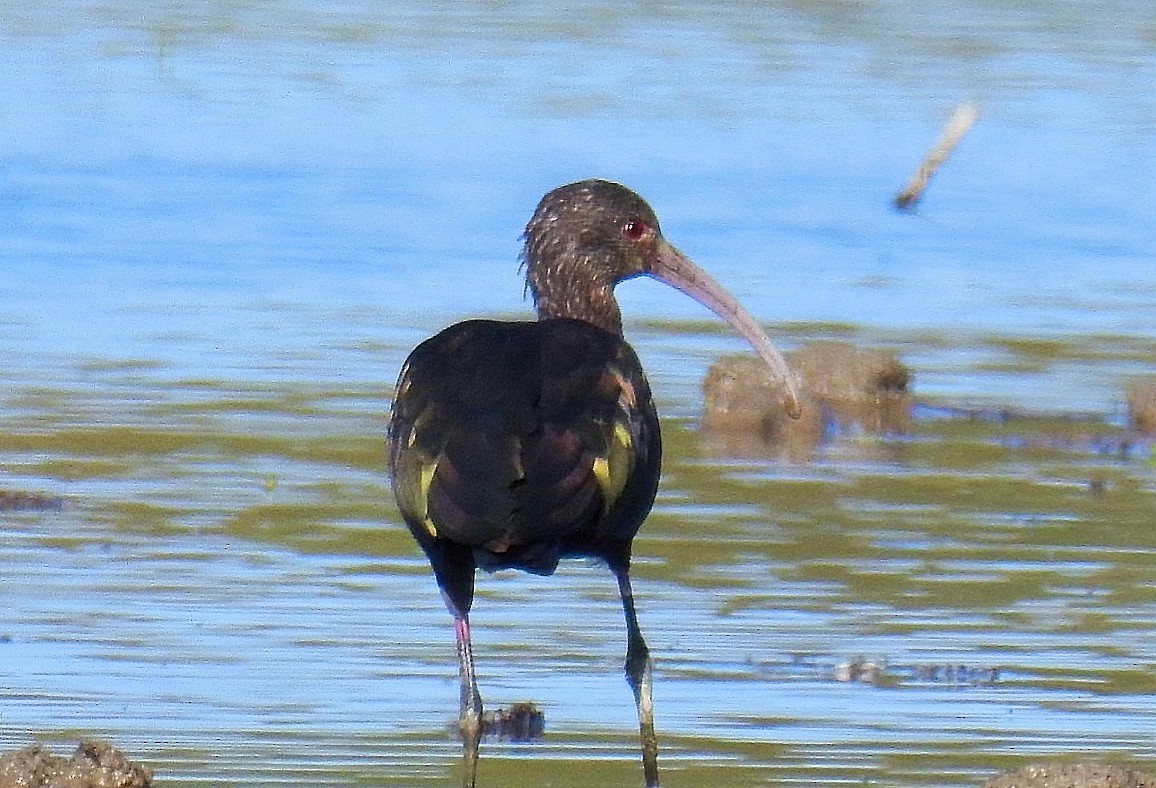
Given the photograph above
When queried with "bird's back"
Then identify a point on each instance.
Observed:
(526, 442)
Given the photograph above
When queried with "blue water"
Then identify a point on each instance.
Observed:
(315, 154)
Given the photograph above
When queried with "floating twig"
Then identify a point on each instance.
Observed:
(958, 124)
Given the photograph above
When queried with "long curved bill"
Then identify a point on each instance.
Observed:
(678, 271)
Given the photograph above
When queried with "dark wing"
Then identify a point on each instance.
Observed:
(524, 441)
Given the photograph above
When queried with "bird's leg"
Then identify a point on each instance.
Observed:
(638, 675)
(470, 716)
(453, 566)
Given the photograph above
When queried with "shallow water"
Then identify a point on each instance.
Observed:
(226, 224)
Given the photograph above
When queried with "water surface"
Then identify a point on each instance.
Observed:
(226, 224)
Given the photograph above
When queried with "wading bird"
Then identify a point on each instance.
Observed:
(516, 444)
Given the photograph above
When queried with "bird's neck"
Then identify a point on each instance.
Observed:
(597, 307)
(601, 312)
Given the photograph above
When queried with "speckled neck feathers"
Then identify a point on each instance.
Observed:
(575, 252)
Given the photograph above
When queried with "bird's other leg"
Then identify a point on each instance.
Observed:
(470, 709)
(638, 675)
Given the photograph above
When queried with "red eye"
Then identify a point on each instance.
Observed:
(635, 230)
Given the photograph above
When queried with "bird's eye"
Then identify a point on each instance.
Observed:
(634, 230)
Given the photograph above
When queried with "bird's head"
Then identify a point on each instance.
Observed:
(586, 237)
(583, 239)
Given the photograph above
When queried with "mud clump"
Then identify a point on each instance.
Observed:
(93, 765)
(1079, 775)
(842, 388)
(1141, 397)
(878, 672)
(15, 501)
(522, 722)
